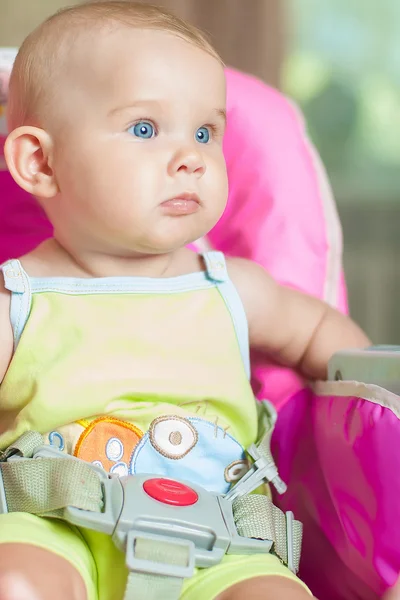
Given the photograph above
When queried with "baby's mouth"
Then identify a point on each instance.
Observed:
(186, 203)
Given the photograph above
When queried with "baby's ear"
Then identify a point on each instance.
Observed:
(28, 153)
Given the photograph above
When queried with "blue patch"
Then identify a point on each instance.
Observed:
(192, 449)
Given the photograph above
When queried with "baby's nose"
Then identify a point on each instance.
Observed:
(188, 160)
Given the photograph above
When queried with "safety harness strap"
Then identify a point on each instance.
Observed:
(147, 585)
(23, 446)
(42, 480)
(46, 486)
(257, 517)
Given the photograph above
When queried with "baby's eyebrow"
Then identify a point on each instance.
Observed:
(221, 112)
(135, 104)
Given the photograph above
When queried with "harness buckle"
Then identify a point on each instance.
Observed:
(199, 530)
(153, 567)
(262, 470)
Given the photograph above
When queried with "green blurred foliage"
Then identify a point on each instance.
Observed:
(343, 68)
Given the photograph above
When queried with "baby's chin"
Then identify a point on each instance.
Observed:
(172, 238)
(165, 246)
(161, 236)
(146, 246)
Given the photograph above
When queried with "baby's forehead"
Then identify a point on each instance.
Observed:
(111, 67)
(149, 62)
(72, 51)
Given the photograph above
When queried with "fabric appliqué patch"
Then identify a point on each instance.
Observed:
(173, 437)
(192, 449)
(236, 470)
(57, 440)
(108, 443)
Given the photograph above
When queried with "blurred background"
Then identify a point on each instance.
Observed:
(340, 61)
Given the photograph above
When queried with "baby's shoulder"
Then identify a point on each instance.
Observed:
(248, 276)
(255, 286)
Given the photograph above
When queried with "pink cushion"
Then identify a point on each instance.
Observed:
(22, 224)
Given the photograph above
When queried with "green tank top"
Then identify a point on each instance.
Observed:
(137, 375)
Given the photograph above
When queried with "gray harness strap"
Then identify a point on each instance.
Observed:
(163, 541)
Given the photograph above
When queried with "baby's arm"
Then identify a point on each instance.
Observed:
(6, 336)
(295, 329)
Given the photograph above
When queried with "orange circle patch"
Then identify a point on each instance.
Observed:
(108, 442)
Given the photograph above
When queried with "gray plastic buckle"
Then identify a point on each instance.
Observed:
(207, 527)
(202, 523)
(262, 470)
(158, 568)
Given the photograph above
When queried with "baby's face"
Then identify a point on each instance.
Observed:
(138, 157)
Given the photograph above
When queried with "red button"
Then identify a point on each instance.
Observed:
(169, 491)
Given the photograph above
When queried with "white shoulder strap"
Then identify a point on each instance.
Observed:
(216, 266)
(218, 272)
(17, 282)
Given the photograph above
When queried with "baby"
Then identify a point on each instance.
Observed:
(119, 344)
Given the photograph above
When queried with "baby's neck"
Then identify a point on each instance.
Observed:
(52, 259)
(95, 264)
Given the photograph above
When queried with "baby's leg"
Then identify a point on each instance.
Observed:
(44, 559)
(266, 588)
(31, 573)
(256, 576)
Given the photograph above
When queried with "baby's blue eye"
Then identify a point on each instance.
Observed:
(143, 129)
(203, 135)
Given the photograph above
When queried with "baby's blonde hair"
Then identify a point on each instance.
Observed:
(40, 56)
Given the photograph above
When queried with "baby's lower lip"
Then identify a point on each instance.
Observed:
(180, 206)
